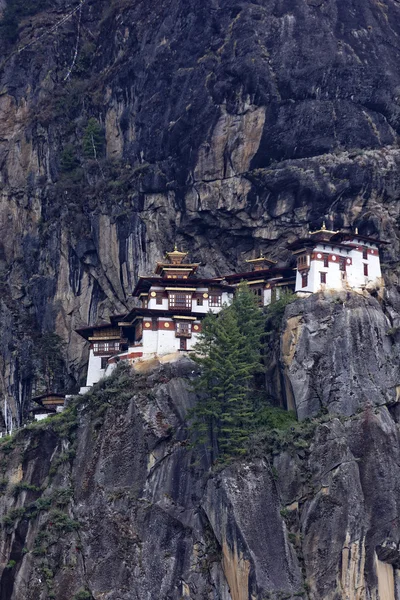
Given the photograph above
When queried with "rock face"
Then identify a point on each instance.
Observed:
(227, 127)
(230, 128)
(340, 352)
(110, 501)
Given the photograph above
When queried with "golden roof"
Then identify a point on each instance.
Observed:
(176, 257)
(261, 259)
(323, 230)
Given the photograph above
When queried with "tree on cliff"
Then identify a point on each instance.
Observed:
(229, 352)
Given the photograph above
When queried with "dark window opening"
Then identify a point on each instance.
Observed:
(183, 344)
(365, 253)
(304, 280)
(326, 260)
(259, 294)
(323, 277)
(200, 301)
(154, 324)
(159, 299)
(365, 270)
(183, 329)
(342, 264)
(104, 362)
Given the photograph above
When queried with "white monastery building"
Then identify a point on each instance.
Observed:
(171, 303)
(332, 260)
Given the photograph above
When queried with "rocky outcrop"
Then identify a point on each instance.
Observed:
(109, 499)
(339, 353)
(226, 127)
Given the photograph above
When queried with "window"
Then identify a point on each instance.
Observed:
(183, 329)
(180, 300)
(365, 269)
(154, 324)
(258, 292)
(323, 277)
(365, 253)
(326, 260)
(104, 362)
(302, 261)
(183, 344)
(215, 300)
(342, 264)
(199, 301)
(304, 280)
(159, 298)
(105, 348)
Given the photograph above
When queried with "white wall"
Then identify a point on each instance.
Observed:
(357, 279)
(149, 341)
(353, 278)
(95, 372)
(267, 297)
(40, 417)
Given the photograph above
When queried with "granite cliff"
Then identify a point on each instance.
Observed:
(228, 127)
(109, 501)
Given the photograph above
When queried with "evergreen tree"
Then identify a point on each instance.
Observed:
(93, 139)
(229, 354)
(250, 321)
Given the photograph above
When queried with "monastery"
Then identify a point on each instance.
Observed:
(332, 260)
(171, 303)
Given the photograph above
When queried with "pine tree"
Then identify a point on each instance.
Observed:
(250, 321)
(229, 354)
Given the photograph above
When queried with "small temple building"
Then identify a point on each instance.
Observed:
(172, 302)
(265, 279)
(334, 260)
(47, 404)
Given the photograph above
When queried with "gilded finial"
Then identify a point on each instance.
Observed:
(175, 248)
(356, 231)
(323, 228)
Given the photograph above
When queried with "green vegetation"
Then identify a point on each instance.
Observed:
(24, 486)
(69, 160)
(60, 521)
(11, 564)
(93, 139)
(233, 406)
(229, 352)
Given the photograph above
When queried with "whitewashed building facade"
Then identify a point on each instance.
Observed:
(332, 260)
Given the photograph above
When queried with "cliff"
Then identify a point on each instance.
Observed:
(109, 501)
(229, 127)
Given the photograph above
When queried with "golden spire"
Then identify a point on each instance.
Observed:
(356, 231)
(323, 228)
